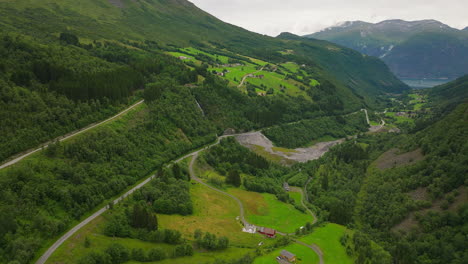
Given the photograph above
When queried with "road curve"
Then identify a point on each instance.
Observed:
(304, 193)
(247, 75)
(315, 248)
(72, 231)
(67, 136)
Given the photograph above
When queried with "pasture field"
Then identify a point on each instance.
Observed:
(218, 218)
(194, 51)
(214, 213)
(264, 209)
(328, 239)
(304, 255)
(271, 80)
(296, 196)
(179, 54)
(399, 119)
(291, 66)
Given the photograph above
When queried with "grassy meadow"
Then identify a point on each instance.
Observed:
(264, 209)
(304, 255)
(328, 239)
(272, 80)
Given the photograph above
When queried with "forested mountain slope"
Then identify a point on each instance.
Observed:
(412, 49)
(450, 94)
(407, 191)
(68, 63)
(167, 22)
(99, 53)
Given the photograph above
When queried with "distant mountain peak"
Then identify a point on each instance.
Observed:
(403, 45)
(393, 24)
(288, 35)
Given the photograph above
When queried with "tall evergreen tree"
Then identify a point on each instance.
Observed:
(233, 178)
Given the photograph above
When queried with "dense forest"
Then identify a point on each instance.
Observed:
(302, 133)
(50, 90)
(44, 195)
(231, 159)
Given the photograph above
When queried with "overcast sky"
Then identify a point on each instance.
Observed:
(302, 17)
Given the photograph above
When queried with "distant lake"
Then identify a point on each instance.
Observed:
(424, 83)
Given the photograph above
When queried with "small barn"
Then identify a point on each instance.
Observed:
(267, 231)
(288, 256)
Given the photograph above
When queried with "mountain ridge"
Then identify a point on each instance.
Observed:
(412, 49)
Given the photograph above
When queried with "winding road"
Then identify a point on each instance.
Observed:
(72, 231)
(248, 75)
(367, 116)
(194, 177)
(65, 137)
(314, 247)
(195, 154)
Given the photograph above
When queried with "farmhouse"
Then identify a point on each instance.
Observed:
(286, 186)
(267, 231)
(249, 229)
(288, 256)
(183, 58)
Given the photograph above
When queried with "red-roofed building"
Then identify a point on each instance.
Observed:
(267, 231)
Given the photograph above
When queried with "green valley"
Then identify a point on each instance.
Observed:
(149, 131)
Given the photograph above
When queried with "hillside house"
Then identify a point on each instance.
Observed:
(288, 256)
(183, 58)
(267, 232)
(250, 229)
(286, 186)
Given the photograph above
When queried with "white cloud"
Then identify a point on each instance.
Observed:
(301, 17)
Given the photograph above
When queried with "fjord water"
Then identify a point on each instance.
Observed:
(424, 83)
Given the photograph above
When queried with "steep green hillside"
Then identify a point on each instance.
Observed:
(97, 54)
(361, 74)
(48, 90)
(450, 94)
(167, 22)
(412, 49)
(406, 191)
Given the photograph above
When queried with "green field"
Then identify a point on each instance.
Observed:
(399, 119)
(271, 79)
(304, 255)
(218, 218)
(193, 51)
(297, 197)
(263, 209)
(291, 66)
(328, 239)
